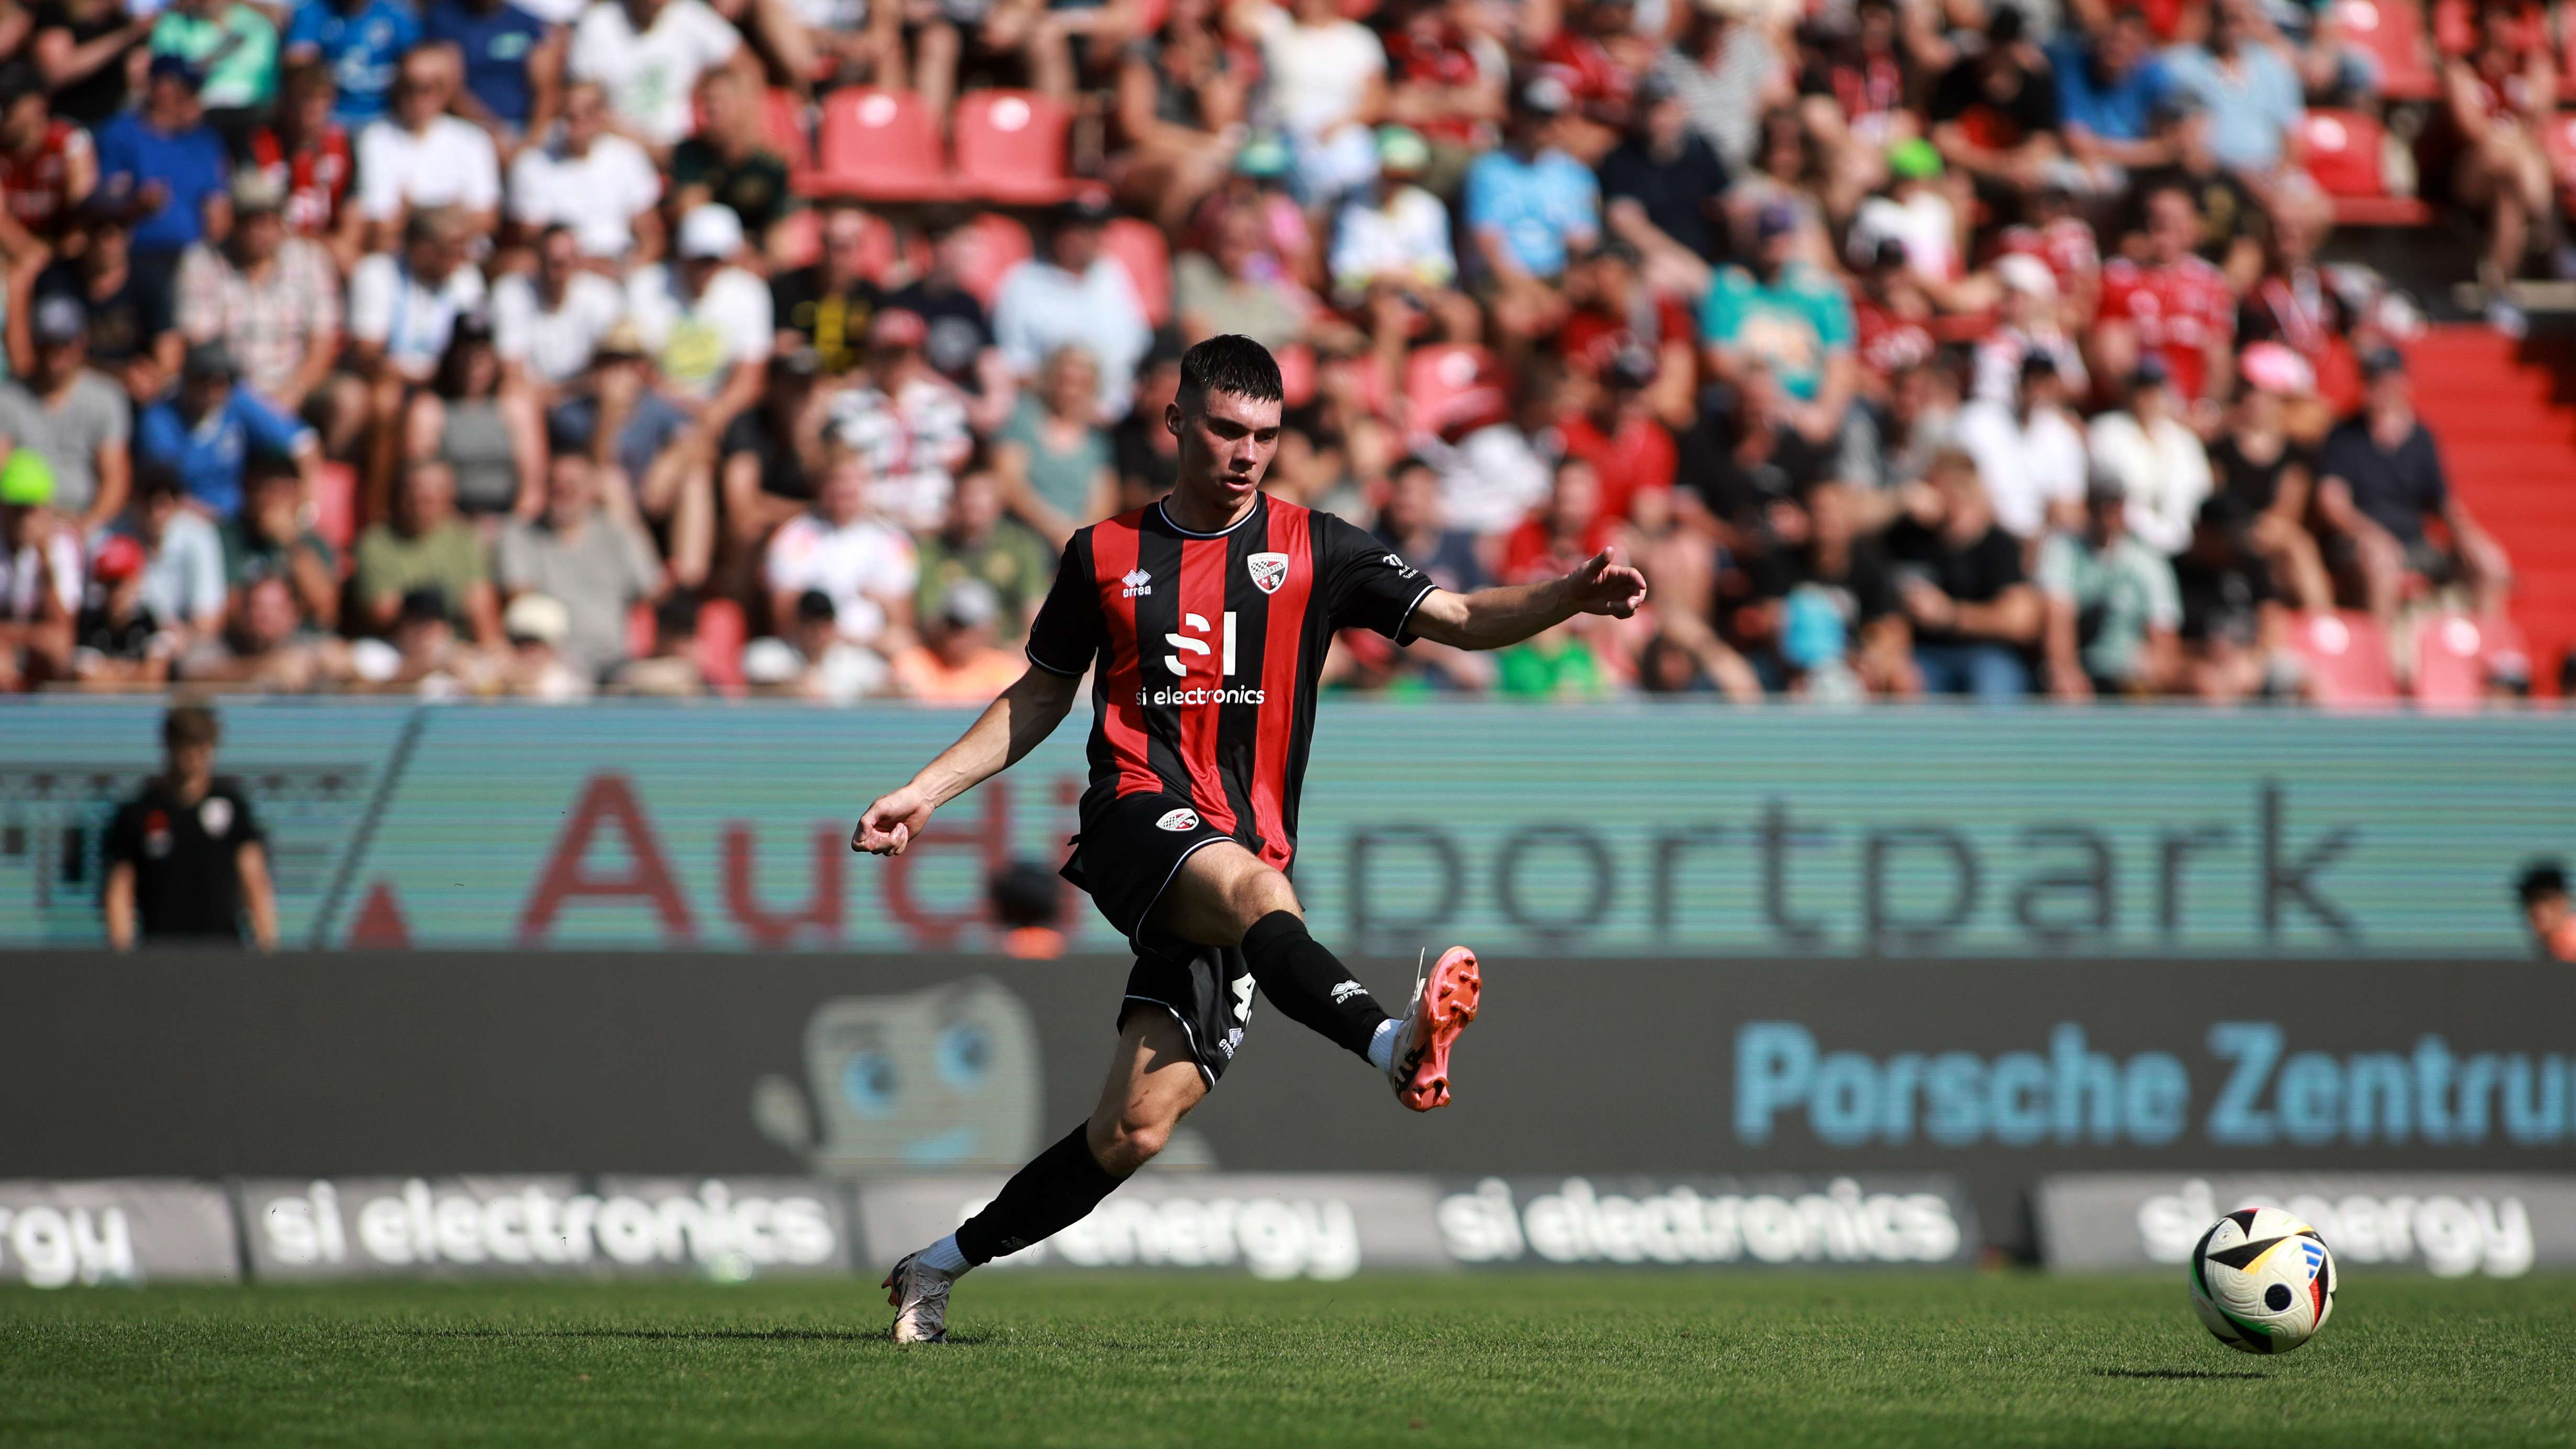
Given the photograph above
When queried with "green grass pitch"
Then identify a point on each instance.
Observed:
(1134, 1361)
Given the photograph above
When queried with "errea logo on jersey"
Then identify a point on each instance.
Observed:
(1137, 582)
(1177, 820)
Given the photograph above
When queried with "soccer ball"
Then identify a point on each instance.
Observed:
(2262, 1280)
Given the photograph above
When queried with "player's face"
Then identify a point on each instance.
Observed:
(1227, 441)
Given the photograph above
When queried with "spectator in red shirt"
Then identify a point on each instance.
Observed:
(1445, 78)
(47, 166)
(2173, 304)
(308, 153)
(1568, 528)
(1616, 309)
(1630, 452)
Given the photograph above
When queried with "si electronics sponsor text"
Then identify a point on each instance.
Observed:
(421, 1226)
(2452, 1234)
(2256, 1090)
(1577, 1223)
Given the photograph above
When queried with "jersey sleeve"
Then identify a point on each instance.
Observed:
(1067, 633)
(1365, 585)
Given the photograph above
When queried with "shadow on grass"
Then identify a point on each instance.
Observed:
(2129, 1373)
(772, 1335)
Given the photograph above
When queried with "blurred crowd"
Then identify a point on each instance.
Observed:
(525, 347)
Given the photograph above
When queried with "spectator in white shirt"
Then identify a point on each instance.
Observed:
(402, 307)
(586, 177)
(2029, 453)
(1327, 86)
(1075, 294)
(548, 327)
(649, 54)
(421, 157)
(706, 323)
(2158, 461)
(1395, 234)
(842, 550)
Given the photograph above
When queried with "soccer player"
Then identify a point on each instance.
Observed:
(1203, 620)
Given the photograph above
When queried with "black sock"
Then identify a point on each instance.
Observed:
(1309, 984)
(1058, 1188)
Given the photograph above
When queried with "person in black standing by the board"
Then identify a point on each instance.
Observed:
(187, 863)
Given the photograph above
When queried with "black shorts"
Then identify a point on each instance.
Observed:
(1126, 857)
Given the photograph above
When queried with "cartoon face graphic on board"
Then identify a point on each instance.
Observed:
(940, 1079)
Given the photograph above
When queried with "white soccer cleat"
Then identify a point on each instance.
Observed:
(1443, 1003)
(919, 1296)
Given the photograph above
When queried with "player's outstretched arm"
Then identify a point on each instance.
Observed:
(1009, 727)
(1493, 618)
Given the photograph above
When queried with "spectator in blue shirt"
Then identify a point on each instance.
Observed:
(210, 431)
(1529, 207)
(513, 65)
(2253, 97)
(2107, 90)
(167, 167)
(361, 41)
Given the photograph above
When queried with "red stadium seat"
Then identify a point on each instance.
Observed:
(1011, 147)
(800, 234)
(1453, 387)
(878, 145)
(1138, 246)
(993, 245)
(2392, 31)
(787, 130)
(2346, 156)
(722, 631)
(335, 507)
(2455, 653)
(2347, 658)
(1297, 374)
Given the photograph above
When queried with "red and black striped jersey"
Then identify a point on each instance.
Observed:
(1205, 651)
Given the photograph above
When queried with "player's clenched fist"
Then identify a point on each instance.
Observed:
(1603, 585)
(891, 823)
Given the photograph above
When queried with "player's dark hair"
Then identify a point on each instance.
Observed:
(188, 724)
(2541, 879)
(1231, 363)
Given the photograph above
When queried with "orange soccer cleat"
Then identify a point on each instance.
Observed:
(1443, 1003)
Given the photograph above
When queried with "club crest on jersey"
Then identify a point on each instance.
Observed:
(1137, 582)
(1268, 570)
(1182, 819)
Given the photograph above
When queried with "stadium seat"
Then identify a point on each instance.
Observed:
(2347, 659)
(1453, 386)
(335, 507)
(2454, 653)
(1011, 147)
(722, 631)
(2346, 156)
(877, 145)
(1138, 246)
(800, 236)
(1297, 374)
(2393, 33)
(994, 244)
(787, 130)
